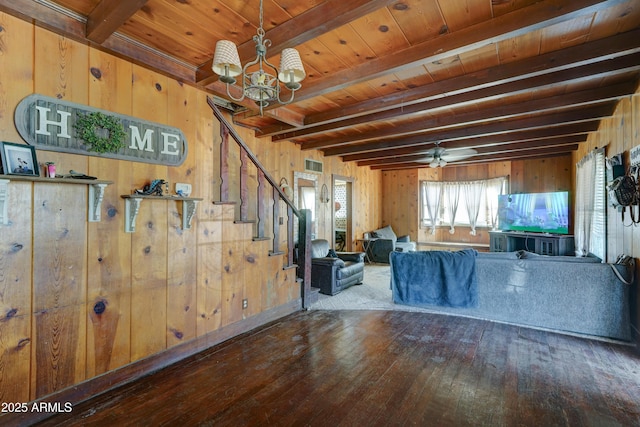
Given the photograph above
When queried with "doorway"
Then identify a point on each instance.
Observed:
(342, 198)
(304, 197)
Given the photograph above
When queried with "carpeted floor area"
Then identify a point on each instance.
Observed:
(373, 294)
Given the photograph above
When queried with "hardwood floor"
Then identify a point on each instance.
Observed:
(356, 368)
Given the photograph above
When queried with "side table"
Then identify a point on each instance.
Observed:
(367, 246)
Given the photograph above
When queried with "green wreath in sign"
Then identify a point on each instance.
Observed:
(104, 134)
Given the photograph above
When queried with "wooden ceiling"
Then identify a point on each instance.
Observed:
(513, 79)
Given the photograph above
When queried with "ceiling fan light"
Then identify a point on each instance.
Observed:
(433, 164)
(443, 163)
(226, 61)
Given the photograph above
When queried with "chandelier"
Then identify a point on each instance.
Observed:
(261, 81)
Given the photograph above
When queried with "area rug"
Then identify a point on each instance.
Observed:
(373, 294)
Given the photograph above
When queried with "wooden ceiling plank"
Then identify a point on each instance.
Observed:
(68, 25)
(321, 19)
(108, 16)
(600, 69)
(521, 21)
(502, 112)
(581, 129)
(570, 58)
(573, 116)
(543, 153)
(488, 150)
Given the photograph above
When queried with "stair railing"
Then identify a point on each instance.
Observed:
(264, 180)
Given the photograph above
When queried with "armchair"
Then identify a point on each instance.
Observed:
(378, 244)
(331, 274)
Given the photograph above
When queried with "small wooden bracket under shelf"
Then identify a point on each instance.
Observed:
(96, 193)
(132, 206)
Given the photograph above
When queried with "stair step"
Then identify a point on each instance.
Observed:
(246, 221)
(259, 239)
(272, 253)
(289, 267)
(223, 203)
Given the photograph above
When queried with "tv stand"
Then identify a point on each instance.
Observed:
(540, 243)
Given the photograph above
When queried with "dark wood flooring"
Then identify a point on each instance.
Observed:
(357, 368)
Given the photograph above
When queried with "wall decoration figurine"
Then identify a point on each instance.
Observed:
(154, 188)
(18, 159)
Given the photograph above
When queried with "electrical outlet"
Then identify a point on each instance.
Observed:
(245, 303)
(184, 188)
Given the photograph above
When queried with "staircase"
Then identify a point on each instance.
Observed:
(267, 193)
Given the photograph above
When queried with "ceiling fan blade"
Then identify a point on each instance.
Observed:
(454, 155)
(426, 159)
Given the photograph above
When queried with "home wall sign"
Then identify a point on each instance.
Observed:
(51, 124)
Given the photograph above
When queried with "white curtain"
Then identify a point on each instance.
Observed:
(452, 192)
(590, 215)
(495, 187)
(473, 192)
(432, 197)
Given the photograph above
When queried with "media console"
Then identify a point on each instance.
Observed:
(540, 243)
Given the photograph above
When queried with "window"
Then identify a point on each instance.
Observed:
(465, 203)
(590, 217)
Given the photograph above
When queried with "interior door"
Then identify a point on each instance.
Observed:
(342, 205)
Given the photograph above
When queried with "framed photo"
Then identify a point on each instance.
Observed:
(18, 159)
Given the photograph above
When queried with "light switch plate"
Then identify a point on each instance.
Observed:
(185, 188)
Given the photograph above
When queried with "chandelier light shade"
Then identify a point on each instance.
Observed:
(291, 69)
(261, 81)
(226, 62)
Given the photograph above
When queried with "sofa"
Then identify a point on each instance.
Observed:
(378, 244)
(570, 294)
(334, 271)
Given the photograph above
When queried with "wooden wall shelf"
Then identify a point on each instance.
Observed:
(132, 206)
(94, 201)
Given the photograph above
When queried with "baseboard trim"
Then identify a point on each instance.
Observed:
(135, 370)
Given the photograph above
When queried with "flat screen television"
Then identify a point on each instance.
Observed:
(534, 212)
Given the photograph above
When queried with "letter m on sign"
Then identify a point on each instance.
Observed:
(138, 143)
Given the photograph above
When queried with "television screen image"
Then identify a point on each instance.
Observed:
(534, 212)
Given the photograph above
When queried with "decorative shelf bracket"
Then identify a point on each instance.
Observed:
(96, 194)
(132, 206)
(188, 211)
(4, 203)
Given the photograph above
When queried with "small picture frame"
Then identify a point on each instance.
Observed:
(18, 159)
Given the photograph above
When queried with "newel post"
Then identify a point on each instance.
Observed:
(304, 255)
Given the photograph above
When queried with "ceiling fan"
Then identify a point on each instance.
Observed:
(440, 156)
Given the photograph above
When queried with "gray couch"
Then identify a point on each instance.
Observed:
(577, 295)
(378, 244)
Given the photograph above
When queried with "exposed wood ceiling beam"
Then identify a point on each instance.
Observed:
(73, 27)
(533, 154)
(597, 70)
(487, 150)
(513, 24)
(538, 134)
(573, 58)
(502, 112)
(552, 119)
(108, 16)
(321, 19)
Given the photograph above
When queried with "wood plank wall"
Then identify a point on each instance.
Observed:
(160, 286)
(619, 134)
(401, 209)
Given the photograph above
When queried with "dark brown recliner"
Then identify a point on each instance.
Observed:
(333, 274)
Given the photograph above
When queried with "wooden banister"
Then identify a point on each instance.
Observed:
(304, 216)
